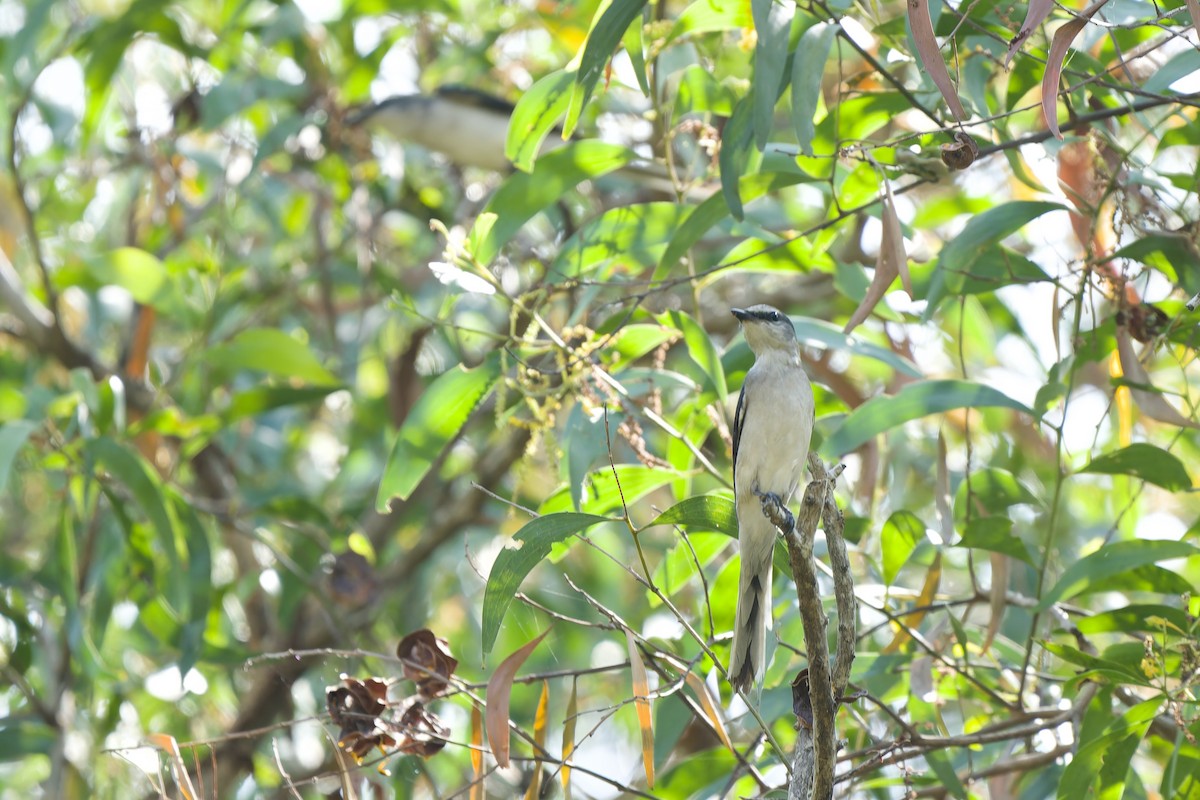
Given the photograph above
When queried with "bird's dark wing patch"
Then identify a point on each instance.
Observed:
(739, 419)
(469, 96)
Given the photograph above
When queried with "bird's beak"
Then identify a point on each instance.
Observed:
(741, 313)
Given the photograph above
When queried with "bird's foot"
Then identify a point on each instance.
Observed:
(774, 509)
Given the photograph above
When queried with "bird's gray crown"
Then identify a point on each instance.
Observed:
(766, 327)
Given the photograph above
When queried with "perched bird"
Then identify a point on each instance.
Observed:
(470, 127)
(772, 429)
(467, 126)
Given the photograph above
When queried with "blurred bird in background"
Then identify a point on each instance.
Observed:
(470, 127)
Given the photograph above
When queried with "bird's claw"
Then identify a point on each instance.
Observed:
(773, 508)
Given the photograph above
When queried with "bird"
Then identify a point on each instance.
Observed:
(772, 430)
(470, 128)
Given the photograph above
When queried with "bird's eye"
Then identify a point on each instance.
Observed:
(775, 316)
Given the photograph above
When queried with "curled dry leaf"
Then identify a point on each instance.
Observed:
(710, 708)
(355, 708)
(423, 732)
(568, 739)
(962, 152)
(1037, 11)
(1054, 63)
(1152, 404)
(802, 700)
(930, 55)
(476, 791)
(427, 661)
(892, 261)
(998, 598)
(179, 771)
(641, 702)
(499, 693)
(933, 579)
(539, 742)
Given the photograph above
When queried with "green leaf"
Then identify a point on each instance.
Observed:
(700, 93)
(1181, 65)
(914, 401)
(1138, 618)
(199, 583)
(635, 48)
(271, 351)
(773, 24)
(434, 422)
(978, 241)
(706, 16)
(1146, 462)
(12, 438)
(709, 512)
(140, 274)
(20, 738)
(524, 194)
(1106, 757)
(808, 67)
(631, 342)
(902, 532)
(1088, 574)
(607, 31)
(994, 534)
(735, 153)
(989, 491)
(528, 547)
(701, 350)
(260, 399)
(142, 482)
(600, 491)
(629, 237)
(810, 330)
(535, 116)
(716, 208)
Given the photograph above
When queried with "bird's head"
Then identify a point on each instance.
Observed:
(767, 329)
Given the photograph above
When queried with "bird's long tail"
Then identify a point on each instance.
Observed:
(747, 660)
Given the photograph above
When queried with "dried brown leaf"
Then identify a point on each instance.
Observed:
(1037, 11)
(568, 740)
(930, 56)
(641, 702)
(802, 700)
(961, 153)
(427, 661)
(941, 497)
(1054, 63)
(423, 731)
(476, 792)
(539, 739)
(700, 689)
(1193, 7)
(933, 578)
(183, 780)
(998, 600)
(892, 261)
(1152, 404)
(355, 709)
(499, 693)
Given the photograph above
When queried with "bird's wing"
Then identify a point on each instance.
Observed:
(739, 419)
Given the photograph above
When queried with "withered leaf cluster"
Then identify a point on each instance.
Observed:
(367, 721)
(427, 662)
(355, 707)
